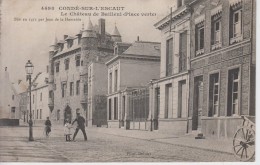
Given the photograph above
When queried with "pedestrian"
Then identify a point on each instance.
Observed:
(81, 125)
(67, 129)
(47, 126)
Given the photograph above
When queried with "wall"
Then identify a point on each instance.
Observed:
(137, 72)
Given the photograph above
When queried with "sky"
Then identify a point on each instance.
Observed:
(30, 40)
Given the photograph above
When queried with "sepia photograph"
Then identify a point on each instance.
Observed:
(97, 81)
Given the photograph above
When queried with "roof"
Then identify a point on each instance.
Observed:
(20, 87)
(116, 32)
(144, 48)
(40, 80)
(74, 47)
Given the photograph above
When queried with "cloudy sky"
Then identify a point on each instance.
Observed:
(24, 40)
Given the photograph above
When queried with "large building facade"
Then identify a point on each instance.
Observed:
(132, 68)
(69, 59)
(222, 78)
(39, 99)
(169, 101)
(215, 85)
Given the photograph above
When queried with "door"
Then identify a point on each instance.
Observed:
(197, 102)
(67, 114)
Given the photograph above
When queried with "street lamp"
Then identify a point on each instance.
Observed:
(29, 71)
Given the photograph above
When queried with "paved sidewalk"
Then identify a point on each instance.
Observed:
(211, 144)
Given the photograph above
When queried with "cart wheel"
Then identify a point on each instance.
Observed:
(244, 143)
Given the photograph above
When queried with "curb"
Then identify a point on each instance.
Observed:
(180, 145)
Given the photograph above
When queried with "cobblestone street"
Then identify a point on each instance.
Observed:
(100, 147)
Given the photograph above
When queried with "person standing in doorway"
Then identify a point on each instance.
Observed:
(81, 125)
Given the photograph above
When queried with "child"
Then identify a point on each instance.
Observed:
(67, 128)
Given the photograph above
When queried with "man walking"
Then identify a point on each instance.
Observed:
(81, 125)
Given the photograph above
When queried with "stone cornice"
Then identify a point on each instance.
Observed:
(175, 15)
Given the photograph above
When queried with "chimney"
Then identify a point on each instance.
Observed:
(65, 36)
(137, 38)
(102, 28)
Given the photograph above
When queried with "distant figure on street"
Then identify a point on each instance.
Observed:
(47, 126)
(81, 125)
(67, 129)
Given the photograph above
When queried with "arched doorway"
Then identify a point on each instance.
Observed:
(67, 113)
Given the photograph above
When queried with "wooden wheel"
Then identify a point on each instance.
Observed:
(244, 143)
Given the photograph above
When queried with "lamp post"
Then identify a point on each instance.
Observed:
(29, 71)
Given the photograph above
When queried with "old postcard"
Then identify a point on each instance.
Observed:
(128, 81)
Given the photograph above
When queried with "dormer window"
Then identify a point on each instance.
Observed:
(179, 3)
(57, 67)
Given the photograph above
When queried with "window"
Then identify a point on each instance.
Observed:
(77, 58)
(235, 23)
(179, 3)
(183, 52)
(33, 99)
(216, 31)
(57, 66)
(63, 92)
(12, 97)
(199, 38)
(182, 100)
(51, 94)
(213, 94)
(115, 109)
(85, 88)
(40, 96)
(67, 62)
(40, 113)
(58, 114)
(77, 87)
(116, 78)
(233, 92)
(33, 114)
(168, 101)
(71, 88)
(169, 54)
(37, 112)
(110, 82)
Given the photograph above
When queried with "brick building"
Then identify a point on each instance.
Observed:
(217, 84)
(222, 63)
(69, 59)
(133, 66)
